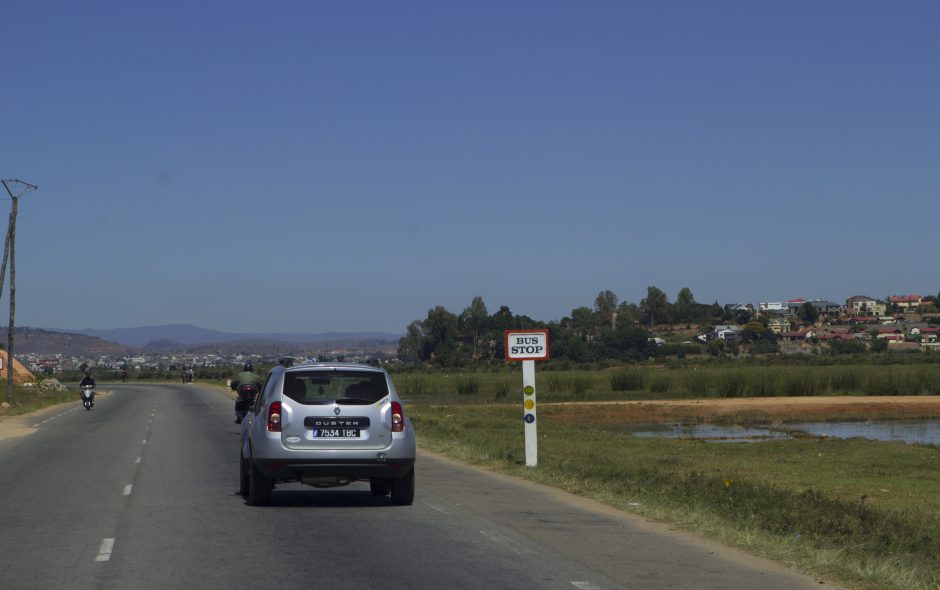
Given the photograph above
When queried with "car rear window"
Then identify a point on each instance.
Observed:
(343, 386)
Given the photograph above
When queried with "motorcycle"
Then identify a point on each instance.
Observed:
(246, 398)
(88, 396)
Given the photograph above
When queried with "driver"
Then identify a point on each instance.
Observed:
(246, 377)
(86, 382)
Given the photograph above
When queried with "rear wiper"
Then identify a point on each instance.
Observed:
(355, 401)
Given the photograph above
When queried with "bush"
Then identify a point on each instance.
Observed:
(698, 382)
(556, 384)
(467, 385)
(765, 383)
(628, 380)
(844, 381)
(581, 383)
(412, 385)
(731, 383)
(801, 383)
(660, 383)
(501, 389)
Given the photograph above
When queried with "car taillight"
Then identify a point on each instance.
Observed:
(274, 417)
(398, 418)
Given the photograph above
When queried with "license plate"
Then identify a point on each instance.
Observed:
(336, 433)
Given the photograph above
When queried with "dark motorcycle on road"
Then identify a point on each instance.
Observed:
(88, 396)
(246, 398)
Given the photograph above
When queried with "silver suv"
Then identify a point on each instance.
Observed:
(327, 425)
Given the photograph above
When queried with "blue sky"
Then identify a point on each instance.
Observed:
(316, 166)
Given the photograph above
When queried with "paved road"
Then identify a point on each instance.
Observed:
(140, 492)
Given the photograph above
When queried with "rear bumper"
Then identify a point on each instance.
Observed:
(284, 470)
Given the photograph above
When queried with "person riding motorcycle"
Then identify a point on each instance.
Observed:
(88, 382)
(246, 384)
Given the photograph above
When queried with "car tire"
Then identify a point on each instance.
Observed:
(379, 487)
(259, 487)
(403, 489)
(243, 480)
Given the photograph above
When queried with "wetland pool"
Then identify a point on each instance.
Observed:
(915, 431)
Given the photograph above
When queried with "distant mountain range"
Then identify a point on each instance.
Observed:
(35, 340)
(180, 337)
(190, 335)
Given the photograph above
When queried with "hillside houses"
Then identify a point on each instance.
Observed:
(863, 305)
(902, 322)
(906, 302)
(857, 306)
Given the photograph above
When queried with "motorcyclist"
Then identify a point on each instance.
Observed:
(88, 382)
(244, 400)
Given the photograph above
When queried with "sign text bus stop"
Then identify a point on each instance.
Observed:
(528, 346)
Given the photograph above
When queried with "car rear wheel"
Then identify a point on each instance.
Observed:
(403, 489)
(242, 477)
(259, 487)
(378, 487)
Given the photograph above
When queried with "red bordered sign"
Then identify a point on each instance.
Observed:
(526, 345)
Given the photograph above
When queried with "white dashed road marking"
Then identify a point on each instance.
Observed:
(506, 542)
(435, 507)
(104, 552)
(128, 488)
(54, 417)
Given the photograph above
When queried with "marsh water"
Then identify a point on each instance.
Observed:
(919, 431)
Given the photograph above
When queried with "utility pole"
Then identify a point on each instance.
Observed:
(9, 247)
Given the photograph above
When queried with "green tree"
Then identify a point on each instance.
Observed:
(567, 345)
(582, 321)
(474, 319)
(411, 345)
(627, 314)
(878, 344)
(808, 313)
(765, 346)
(605, 308)
(655, 307)
(440, 336)
(684, 309)
(627, 342)
(837, 347)
(716, 347)
(752, 331)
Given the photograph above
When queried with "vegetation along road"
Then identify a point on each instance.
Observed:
(863, 513)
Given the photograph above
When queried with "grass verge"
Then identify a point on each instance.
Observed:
(26, 400)
(864, 513)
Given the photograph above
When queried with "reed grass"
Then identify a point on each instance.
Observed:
(685, 382)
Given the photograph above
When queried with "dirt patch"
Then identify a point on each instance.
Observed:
(765, 409)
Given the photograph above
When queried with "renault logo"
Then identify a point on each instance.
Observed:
(336, 411)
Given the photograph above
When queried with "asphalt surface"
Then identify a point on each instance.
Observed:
(140, 492)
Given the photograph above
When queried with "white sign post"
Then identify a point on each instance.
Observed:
(528, 346)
